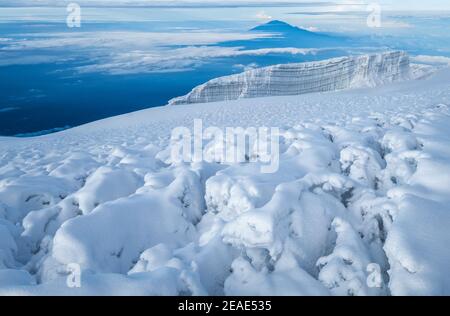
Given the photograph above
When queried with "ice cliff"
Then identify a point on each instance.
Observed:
(300, 78)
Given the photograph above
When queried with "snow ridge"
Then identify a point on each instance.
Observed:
(294, 79)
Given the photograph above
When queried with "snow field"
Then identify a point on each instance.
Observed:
(358, 206)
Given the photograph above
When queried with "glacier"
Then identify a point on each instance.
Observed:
(300, 78)
(359, 205)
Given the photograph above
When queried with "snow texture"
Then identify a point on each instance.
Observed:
(359, 206)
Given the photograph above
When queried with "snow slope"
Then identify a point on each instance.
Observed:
(359, 205)
(300, 78)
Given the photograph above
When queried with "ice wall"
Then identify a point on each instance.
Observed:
(300, 78)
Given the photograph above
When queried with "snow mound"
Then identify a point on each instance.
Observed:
(358, 206)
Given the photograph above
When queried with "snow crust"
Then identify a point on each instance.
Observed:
(359, 206)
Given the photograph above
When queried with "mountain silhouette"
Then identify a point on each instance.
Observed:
(287, 35)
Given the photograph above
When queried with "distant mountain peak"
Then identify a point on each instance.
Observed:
(278, 26)
(278, 22)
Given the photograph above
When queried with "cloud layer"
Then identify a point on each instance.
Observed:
(176, 3)
(131, 52)
(127, 52)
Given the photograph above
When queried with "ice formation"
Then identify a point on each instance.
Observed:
(294, 79)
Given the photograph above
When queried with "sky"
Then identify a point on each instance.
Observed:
(162, 41)
(144, 49)
(337, 4)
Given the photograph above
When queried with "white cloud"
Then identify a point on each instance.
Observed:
(124, 40)
(102, 47)
(426, 59)
(262, 15)
(336, 5)
(242, 67)
(167, 3)
(393, 24)
(282, 50)
(132, 52)
(180, 59)
(349, 5)
(310, 28)
(16, 58)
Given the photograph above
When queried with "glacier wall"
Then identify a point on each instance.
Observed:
(300, 78)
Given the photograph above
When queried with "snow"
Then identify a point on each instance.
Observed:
(345, 271)
(358, 206)
(106, 184)
(300, 78)
(140, 221)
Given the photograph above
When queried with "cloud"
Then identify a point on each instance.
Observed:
(105, 46)
(18, 58)
(350, 5)
(8, 109)
(242, 67)
(426, 59)
(263, 15)
(124, 40)
(310, 28)
(131, 52)
(282, 50)
(393, 24)
(336, 5)
(171, 3)
(181, 59)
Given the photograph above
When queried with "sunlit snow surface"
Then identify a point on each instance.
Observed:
(360, 204)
